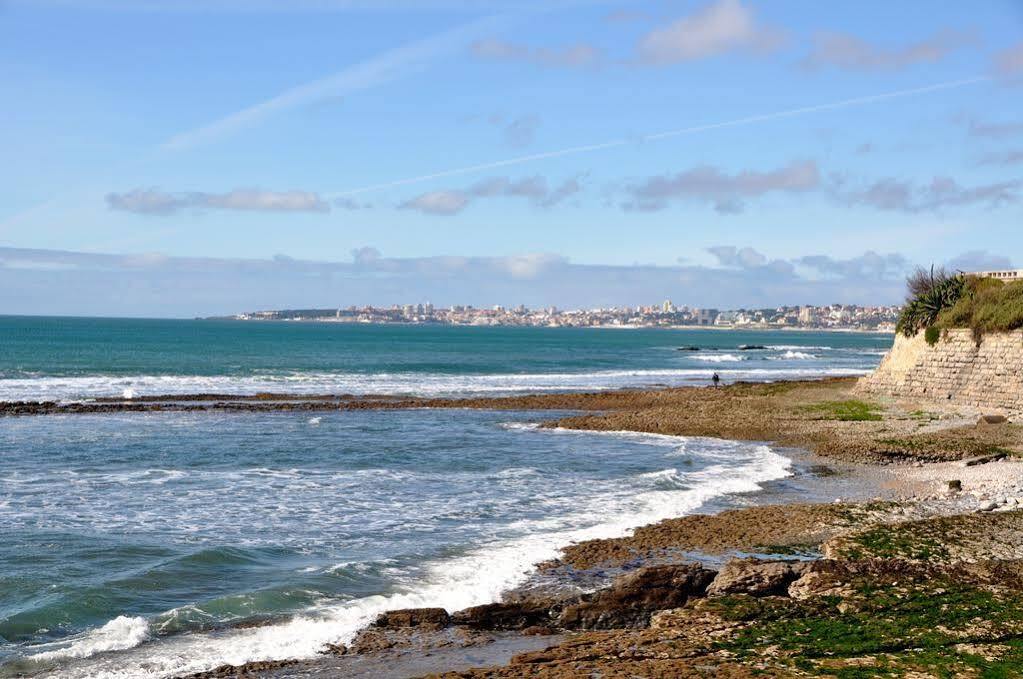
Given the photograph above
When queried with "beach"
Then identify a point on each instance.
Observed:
(232, 532)
(801, 523)
(844, 474)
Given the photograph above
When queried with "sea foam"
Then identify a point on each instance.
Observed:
(479, 576)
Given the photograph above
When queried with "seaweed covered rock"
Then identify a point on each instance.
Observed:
(631, 600)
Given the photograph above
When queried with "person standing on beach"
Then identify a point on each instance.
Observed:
(716, 379)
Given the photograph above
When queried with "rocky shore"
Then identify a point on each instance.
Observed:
(920, 575)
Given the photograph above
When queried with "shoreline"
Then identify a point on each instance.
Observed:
(887, 465)
(846, 491)
(808, 414)
(873, 495)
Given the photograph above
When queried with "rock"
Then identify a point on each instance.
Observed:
(982, 459)
(509, 616)
(414, 617)
(756, 577)
(992, 419)
(631, 600)
(372, 640)
(539, 631)
(249, 669)
(814, 584)
(988, 506)
(955, 485)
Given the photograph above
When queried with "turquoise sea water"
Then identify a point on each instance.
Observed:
(135, 544)
(80, 358)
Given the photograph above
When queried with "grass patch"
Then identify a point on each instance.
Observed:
(986, 305)
(847, 411)
(894, 542)
(904, 629)
(806, 550)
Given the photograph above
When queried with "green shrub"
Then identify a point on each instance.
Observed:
(932, 334)
(930, 294)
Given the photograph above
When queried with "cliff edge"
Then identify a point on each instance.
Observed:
(955, 370)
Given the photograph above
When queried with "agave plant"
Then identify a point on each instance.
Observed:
(930, 294)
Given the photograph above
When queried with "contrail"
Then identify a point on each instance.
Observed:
(369, 73)
(738, 122)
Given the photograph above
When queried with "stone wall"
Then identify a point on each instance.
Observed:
(954, 371)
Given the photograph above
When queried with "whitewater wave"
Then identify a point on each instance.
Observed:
(797, 355)
(119, 634)
(718, 358)
(78, 388)
(477, 577)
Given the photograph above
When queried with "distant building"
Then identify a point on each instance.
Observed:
(807, 315)
(705, 316)
(1006, 275)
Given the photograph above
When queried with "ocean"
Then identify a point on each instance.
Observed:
(156, 544)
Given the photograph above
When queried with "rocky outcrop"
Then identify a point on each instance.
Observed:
(756, 577)
(414, 617)
(517, 615)
(631, 600)
(955, 370)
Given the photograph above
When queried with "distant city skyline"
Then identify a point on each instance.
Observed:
(65, 283)
(571, 153)
(665, 314)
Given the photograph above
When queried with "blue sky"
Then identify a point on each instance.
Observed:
(384, 145)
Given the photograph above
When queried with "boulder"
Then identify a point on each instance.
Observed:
(756, 577)
(634, 597)
(992, 419)
(516, 615)
(414, 617)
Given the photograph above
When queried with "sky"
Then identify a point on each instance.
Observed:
(187, 157)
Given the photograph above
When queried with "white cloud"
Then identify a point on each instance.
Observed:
(1009, 62)
(54, 282)
(978, 260)
(745, 258)
(156, 202)
(941, 192)
(437, 203)
(534, 189)
(725, 191)
(723, 26)
(841, 50)
(993, 130)
(529, 266)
